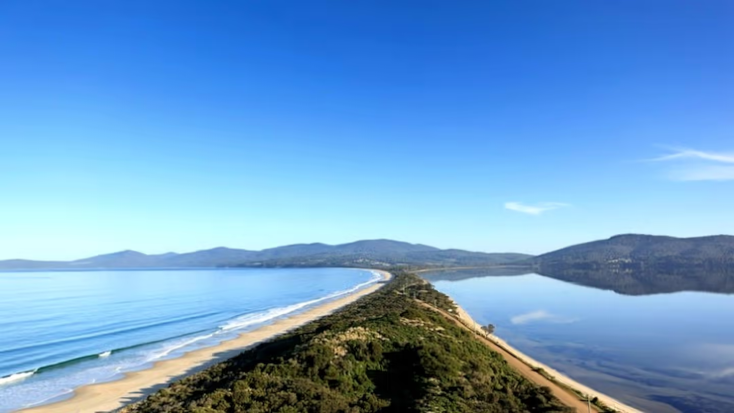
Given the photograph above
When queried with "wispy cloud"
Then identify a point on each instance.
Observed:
(536, 209)
(694, 154)
(695, 165)
(541, 316)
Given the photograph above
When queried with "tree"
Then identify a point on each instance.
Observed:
(488, 329)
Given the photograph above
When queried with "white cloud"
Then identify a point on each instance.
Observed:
(536, 209)
(530, 317)
(694, 154)
(694, 165)
(712, 360)
(540, 316)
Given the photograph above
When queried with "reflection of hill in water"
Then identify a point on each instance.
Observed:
(641, 282)
(458, 275)
(622, 281)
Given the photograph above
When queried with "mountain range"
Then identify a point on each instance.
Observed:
(368, 253)
(625, 252)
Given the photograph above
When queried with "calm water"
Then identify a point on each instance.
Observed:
(663, 352)
(61, 330)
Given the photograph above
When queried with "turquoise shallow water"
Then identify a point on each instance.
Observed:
(60, 330)
(661, 353)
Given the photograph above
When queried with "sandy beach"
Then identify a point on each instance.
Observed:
(524, 361)
(137, 385)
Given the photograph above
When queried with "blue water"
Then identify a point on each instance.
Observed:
(61, 330)
(661, 353)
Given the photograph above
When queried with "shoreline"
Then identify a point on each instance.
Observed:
(137, 385)
(557, 376)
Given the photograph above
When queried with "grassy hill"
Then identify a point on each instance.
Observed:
(644, 251)
(383, 353)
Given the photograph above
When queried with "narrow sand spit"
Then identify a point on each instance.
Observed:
(137, 385)
(558, 377)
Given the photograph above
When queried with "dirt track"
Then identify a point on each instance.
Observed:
(562, 394)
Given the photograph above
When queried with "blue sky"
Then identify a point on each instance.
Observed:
(494, 126)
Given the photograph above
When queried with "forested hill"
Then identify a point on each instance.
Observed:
(384, 353)
(369, 253)
(644, 251)
(387, 258)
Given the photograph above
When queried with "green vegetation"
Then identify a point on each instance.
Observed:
(600, 406)
(547, 375)
(383, 353)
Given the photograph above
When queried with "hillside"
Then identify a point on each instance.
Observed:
(632, 251)
(384, 353)
(388, 258)
(369, 253)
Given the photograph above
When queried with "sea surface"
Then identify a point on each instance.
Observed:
(668, 352)
(61, 330)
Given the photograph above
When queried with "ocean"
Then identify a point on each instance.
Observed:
(60, 330)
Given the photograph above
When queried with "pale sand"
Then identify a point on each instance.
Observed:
(557, 376)
(137, 385)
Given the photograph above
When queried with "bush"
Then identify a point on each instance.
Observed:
(383, 353)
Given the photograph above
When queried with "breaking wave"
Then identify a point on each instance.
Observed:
(16, 377)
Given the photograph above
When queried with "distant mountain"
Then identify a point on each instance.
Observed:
(117, 259)
(31, 265)
(369, 253)
(417, 259)
(220, 256)
(295, 250)
(632, 251)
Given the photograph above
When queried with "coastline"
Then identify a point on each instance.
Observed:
(558, 377)
(135, 386)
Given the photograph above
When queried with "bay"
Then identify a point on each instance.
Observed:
(671, 352)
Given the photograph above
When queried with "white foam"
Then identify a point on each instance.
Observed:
(174, 347)
(105, 354)
(16, 377)
(257, 318)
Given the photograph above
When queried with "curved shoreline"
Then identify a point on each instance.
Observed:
(556, 375)
(135, 386)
